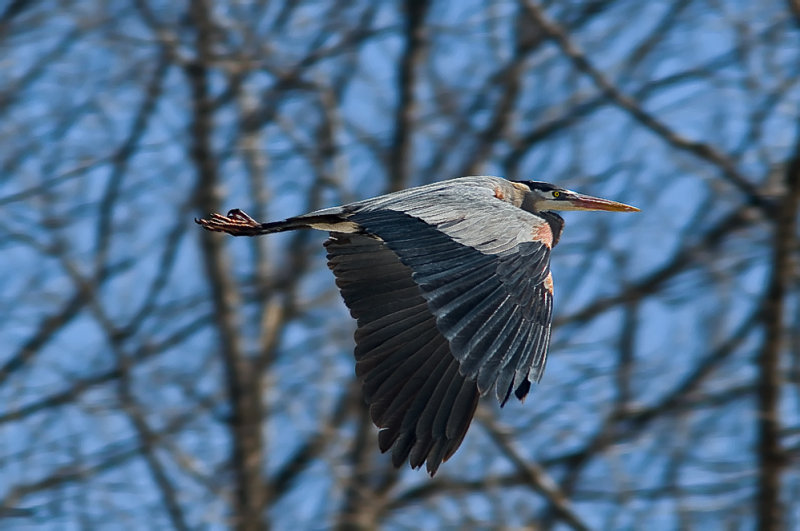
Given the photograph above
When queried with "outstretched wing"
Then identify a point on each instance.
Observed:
(487, 283)
(411, 381)
(453, 297)
(450, 284)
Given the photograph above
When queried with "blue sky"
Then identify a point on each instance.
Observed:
(59, 137)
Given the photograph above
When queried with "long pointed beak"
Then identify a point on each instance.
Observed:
(588, 202)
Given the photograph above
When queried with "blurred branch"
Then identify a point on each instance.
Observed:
(314, 445)
(165, 267)
(659, 33)
(51, 325)
(699, 149)
(583, 108)
(80, 386)
(711, 239)
(359, 508)
(72, 473)
(148, 440)
(682, 393)
(536, 476)
(628, 423)
(50, 184)
(104, 228)
(794, 7)
(16, 89)
(506, 79)
(115, 337)
(443, 486)
(118, 121)
(47, 328)
(509, 81)
(770, 455)
(13, 9)
(247, 416)
(401, 154)
(112, 456)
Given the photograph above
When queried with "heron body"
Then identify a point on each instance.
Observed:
(451, 289)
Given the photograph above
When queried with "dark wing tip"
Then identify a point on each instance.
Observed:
(523, 390)
(417, 397)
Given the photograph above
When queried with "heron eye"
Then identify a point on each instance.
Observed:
(556, 194)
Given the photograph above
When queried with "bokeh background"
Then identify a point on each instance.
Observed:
(154, 376)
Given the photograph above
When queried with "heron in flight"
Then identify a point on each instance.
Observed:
(451, 288)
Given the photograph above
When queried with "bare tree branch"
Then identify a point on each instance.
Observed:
(536, 476)
(246, 415)
(701, 150)
(401, 154)
(770, 454)
(154, 375)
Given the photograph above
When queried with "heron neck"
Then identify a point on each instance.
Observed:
(556, 223)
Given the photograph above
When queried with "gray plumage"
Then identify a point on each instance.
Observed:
(450, 286)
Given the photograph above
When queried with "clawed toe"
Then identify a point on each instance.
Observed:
(236, 222)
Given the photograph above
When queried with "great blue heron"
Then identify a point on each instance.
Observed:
(450, 285)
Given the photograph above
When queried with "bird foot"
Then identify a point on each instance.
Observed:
(236, 223)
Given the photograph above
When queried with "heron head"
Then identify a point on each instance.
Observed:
(545, 196)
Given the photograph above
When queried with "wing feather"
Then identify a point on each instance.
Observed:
(452, 299)
(410, 378)
(492, 308)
